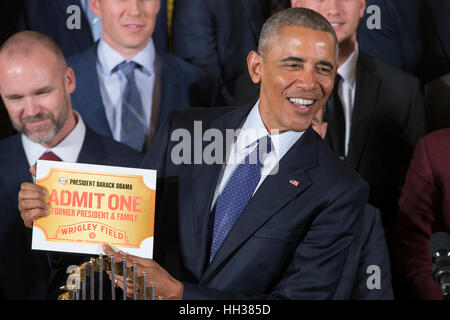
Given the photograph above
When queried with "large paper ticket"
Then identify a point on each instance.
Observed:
(91, 205)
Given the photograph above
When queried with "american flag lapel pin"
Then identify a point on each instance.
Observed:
(295, 183)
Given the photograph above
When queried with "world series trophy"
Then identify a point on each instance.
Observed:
(76, 286)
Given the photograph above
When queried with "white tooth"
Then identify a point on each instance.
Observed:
(303, 102)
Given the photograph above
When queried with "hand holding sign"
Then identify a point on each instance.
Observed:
(31, 199)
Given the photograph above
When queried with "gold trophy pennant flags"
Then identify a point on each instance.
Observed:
(76, 285)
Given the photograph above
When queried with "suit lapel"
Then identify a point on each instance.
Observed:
(204, 179)
(92, 150)
(367, 88)
(257, 12)
(87, 98)
(170, 86)
(16, 164)
(265, 202)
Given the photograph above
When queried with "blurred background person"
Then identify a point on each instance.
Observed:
(126, 84)
(217, 35)
(424, 208)
(414, 35)
(51, 18)
(35, 84)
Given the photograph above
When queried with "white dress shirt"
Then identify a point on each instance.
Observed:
(251, 131)
(113, 85)
(67, 150)
(346, 91)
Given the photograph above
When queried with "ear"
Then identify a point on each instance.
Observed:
(295, 3)
(254, 63)
(70, 80)
(324, 129)
(159, 5)
(95, 7)
(363, 8)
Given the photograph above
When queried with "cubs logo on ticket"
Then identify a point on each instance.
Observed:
(91, 205)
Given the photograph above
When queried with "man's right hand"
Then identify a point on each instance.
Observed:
(32, 204)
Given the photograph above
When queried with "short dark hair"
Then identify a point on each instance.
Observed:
(300, 17)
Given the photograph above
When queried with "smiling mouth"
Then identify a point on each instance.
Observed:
(134, 26)
(336, 24)
(302, 103)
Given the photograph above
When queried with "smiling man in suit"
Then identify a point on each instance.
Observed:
(36, 84)
(281, 227)
(375, 114)
(127, 86)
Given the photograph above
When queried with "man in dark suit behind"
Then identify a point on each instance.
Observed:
(414, 35)
(288, 230)
(217, 35)
(35, 84)
(129, 105)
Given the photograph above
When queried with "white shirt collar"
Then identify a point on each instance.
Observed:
(68, 149)
(253, 129)
(108, 58)
(348, 69)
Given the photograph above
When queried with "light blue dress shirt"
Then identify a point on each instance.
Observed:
(113, 83)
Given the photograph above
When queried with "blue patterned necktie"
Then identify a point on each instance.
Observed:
(133, 123)
(237, 193)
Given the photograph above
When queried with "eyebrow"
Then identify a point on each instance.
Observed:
(326, 63)
(44, 89)
(19, 96)
(13, 96)
(297, 59)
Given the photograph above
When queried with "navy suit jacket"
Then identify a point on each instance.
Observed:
(218, 36)
(6, 128)
(296, 242)
(50, 17)
(182, 85)
(27, 274)
(370, 251)
(414, 36)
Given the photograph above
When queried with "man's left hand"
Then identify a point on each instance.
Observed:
(166, 287)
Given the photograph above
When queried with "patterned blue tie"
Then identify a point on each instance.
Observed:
(133, 122)
(237, 192)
